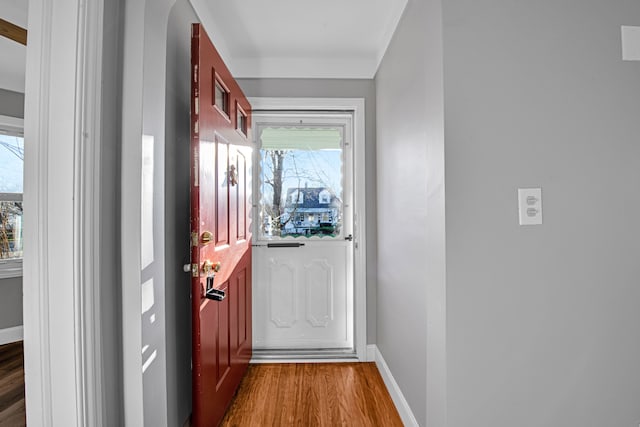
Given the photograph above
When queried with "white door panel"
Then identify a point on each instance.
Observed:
(305, 300)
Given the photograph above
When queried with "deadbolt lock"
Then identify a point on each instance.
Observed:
(206, 237)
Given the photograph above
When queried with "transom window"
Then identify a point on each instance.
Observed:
(221, 96)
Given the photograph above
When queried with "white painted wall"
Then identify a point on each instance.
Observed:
(542, 321)
(410, 189)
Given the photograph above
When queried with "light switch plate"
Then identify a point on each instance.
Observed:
(530, 206)
(630, 43)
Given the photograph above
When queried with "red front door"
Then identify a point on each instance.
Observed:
(220, 232)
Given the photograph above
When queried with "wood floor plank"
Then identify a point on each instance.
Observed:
(12, 409)
(313, 395)
(14, 415)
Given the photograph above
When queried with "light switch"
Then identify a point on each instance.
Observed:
(530, 206)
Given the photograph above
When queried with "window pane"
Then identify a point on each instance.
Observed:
(11, 171)
(301, 182)
(241, 123)
(11, 163)
(10, 229)
(221, 98)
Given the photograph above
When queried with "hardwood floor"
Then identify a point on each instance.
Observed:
(12, 411)
(312, 394)
(277, 395)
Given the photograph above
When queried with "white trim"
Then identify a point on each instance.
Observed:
(61, 315)
(359, 226)
(408, 419)
(87, 213)
(10, 268)
(258, 361)
(371, 352)
(9, 335)
(12, 124)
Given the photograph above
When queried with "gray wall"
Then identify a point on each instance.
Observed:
(178, 284)
(542, 320)
(10, 302)
(110, 272)
(11, 104)
(165, 288)
(411, 282)
(152, 276)
(336, 88)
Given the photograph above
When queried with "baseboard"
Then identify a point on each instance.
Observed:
(9, 335)
(371, 352)
(394, 390)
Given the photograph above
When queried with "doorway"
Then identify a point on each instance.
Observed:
(309, 295)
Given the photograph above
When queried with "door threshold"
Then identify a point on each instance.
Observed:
(303, 356)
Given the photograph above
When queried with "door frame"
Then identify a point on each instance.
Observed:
(355, 105)
(62, 188)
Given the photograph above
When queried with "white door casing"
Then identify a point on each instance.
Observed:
(314, 296)
(62, 329)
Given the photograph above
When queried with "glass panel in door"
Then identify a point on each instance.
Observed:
(301, 182)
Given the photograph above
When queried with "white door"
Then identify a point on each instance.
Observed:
(303, 218)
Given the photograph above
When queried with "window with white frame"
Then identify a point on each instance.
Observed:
(11, 179)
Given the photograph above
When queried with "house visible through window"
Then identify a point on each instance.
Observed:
(301, 178)
(11, 178)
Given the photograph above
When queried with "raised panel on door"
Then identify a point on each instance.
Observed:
(319, 289)
(242, 334)
(222, 193)
(241, 195)
(282, 293)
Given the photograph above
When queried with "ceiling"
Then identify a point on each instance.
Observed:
(301, 38)
(13, 54)
(267, 39)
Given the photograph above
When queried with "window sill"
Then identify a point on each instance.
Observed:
(10, 268)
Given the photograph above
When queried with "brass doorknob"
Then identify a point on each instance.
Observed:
(209, 267)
